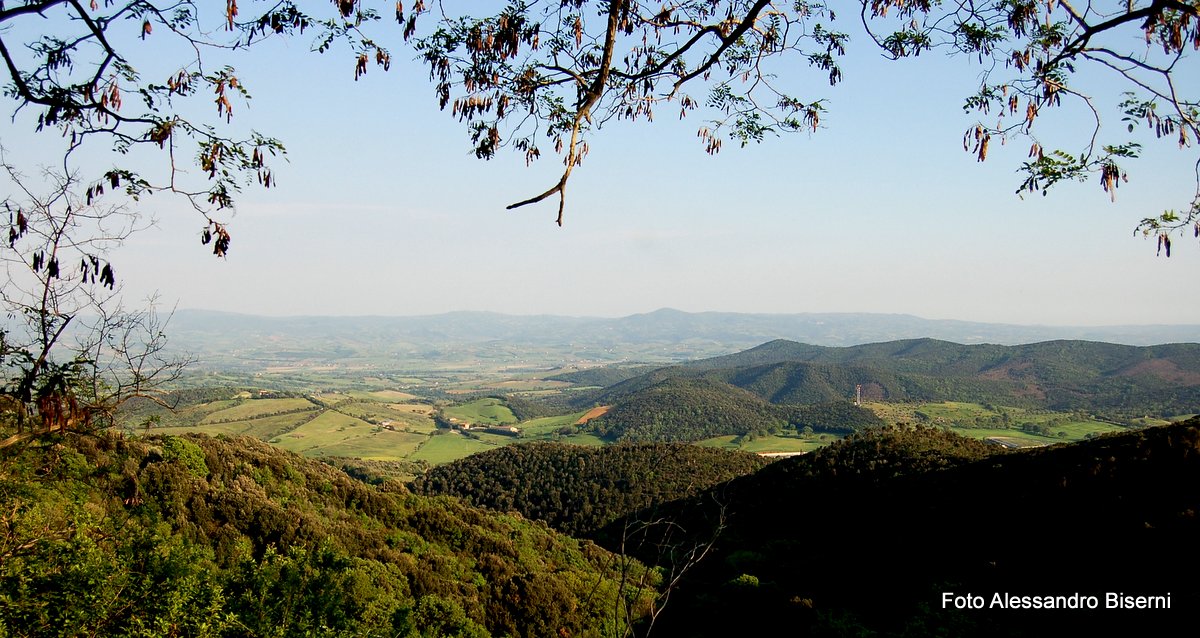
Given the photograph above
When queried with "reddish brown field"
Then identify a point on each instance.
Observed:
(594, 413)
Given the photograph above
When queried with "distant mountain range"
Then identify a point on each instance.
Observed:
(664, 336)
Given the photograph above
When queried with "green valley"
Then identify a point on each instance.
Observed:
(749, 492)
(778, 398)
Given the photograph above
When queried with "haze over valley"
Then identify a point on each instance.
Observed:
(486, 340)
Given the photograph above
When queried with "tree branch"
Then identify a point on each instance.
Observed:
(726, 42)
(1156, 9)
(582, 111)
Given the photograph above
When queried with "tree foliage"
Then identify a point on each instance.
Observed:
(105, 535)
(536, 75)
(579, 489)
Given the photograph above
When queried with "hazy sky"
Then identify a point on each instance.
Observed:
(384, 210)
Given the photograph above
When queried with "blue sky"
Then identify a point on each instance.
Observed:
(382, 209)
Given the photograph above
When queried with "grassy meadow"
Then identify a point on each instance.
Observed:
(487, 411)
(255, 409)
(446, 447)
(982, 421)
(770, 444)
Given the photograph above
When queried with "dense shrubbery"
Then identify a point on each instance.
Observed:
(578, 489)
(205, 537)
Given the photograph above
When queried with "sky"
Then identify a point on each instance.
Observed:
(382, 209)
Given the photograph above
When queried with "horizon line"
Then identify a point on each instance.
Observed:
(666, 309)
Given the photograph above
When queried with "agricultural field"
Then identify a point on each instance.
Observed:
(382, 445)
(583, 438)
(594, 413)
(329, 429)
(526, 385)
(393, 396)
(547, 426)
(385, 414)
(1029, 427)
(265, 428)
(1008, 438)
(1151, 421)
(392, 424)
(487, 411)
(257, 409)
(190, 415)
(383, 424)
(450, 446)
(770, 444)
(416, 417)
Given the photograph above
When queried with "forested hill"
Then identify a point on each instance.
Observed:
(1048, 359)
(578, 489)
(1061, 375)
(209, 538)
(672, 405)
(863, 538)
(687, 409)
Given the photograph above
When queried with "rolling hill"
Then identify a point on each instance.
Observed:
(1057, 375)
(577, 489)
(865, 538)
(686, 409)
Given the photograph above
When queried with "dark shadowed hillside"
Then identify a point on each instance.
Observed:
(863, 538)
